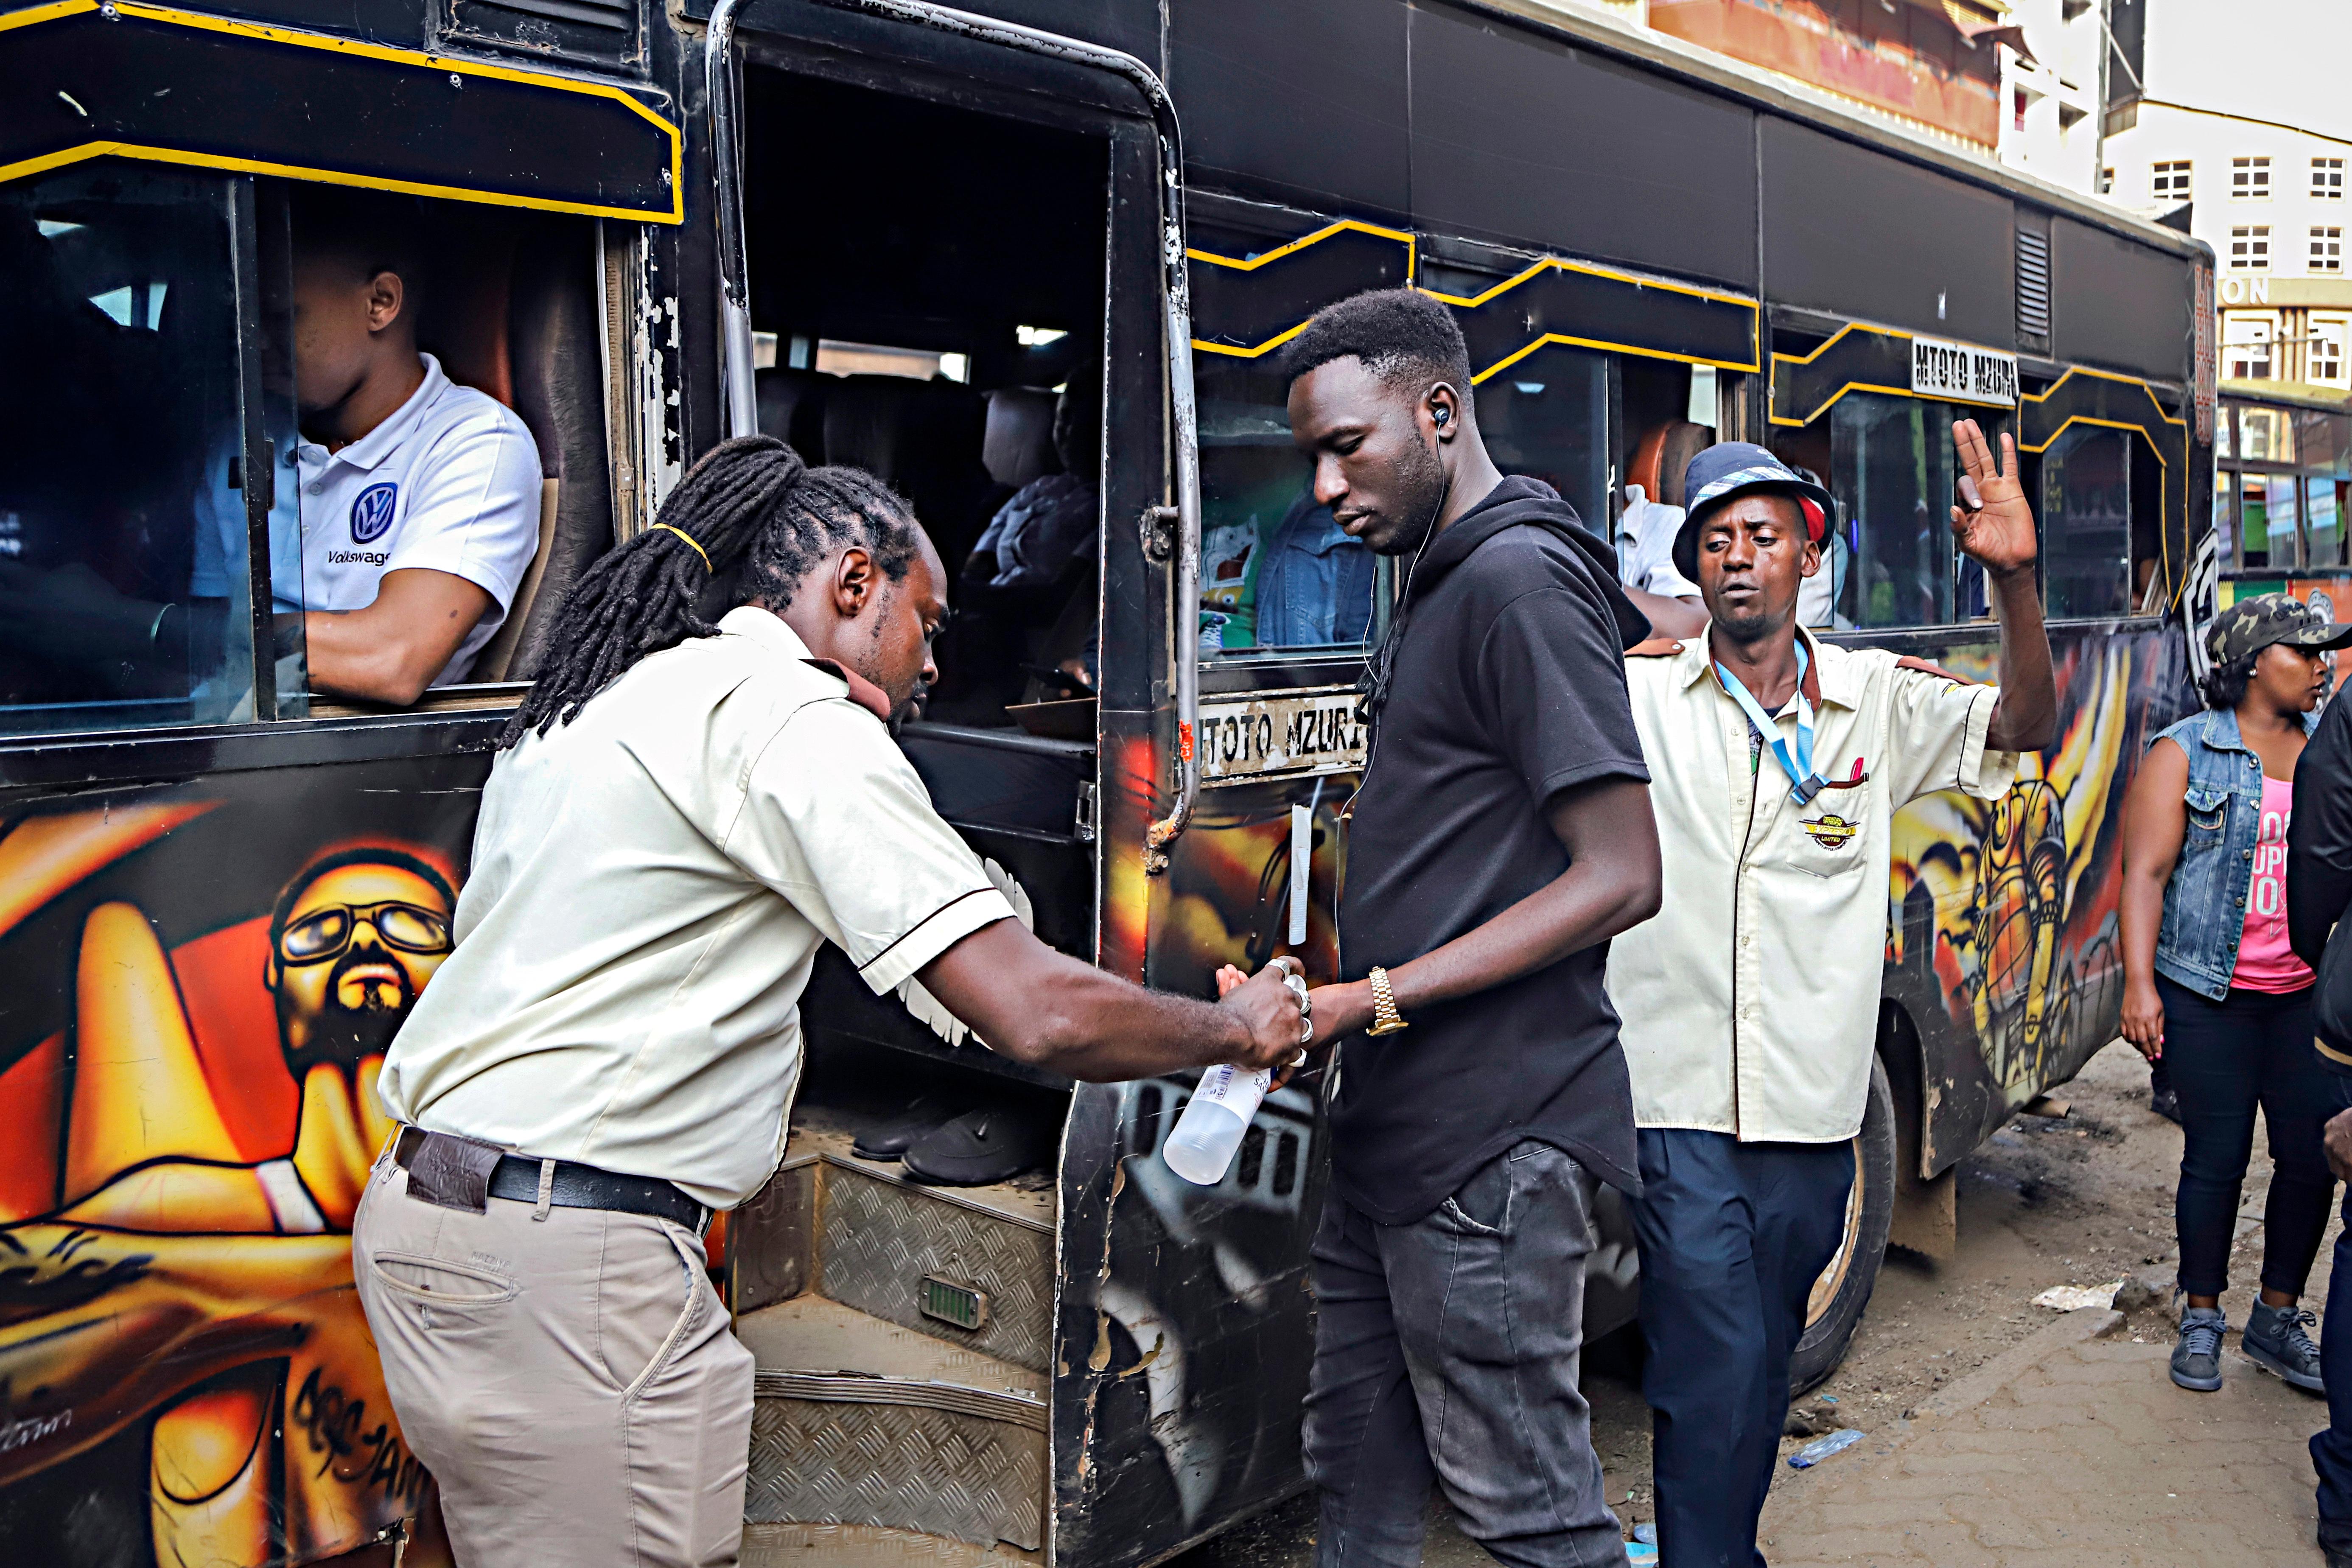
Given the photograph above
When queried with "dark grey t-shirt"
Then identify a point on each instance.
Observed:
(1507, 686)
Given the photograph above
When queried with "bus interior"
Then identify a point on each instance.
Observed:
(941, 327)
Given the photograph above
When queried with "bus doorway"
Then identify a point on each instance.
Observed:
(943, 1350)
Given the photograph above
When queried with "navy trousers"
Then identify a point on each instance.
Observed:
(1446, 1352)
(2331, 1447)
(1733, 1235)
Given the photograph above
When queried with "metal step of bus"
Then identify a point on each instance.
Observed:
(872, 1440)
(969, 1265)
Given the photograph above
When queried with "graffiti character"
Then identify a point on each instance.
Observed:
(178, 1279)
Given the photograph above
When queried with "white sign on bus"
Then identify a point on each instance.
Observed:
(1942, 369)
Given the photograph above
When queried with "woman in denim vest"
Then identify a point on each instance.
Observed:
(2211, 986)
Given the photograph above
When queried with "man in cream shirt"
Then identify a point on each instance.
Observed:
(1750, 1003)
(682, 815)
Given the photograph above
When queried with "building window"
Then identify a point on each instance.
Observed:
(2250, 179)
(2327, 350)
(2169, 180)
(2327, 250)
(2328, 179)
(2249, 249)
(2246, 346)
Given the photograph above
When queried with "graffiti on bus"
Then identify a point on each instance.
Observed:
(205, 981)
(2017, 898)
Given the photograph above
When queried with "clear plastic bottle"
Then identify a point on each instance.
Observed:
(1211, 1129)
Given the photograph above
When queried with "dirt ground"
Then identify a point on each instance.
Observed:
(2083, 1200)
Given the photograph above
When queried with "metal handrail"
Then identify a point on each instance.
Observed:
(1176, 291)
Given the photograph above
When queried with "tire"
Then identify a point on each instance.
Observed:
(1845, 1287)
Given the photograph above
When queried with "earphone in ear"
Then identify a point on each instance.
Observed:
(1442, 415)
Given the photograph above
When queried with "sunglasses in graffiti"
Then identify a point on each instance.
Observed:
(326, 932)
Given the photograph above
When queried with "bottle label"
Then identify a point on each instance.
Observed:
(1230, 1087)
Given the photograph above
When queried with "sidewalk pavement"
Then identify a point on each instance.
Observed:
(2072, 1447)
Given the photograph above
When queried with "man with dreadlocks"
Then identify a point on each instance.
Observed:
(681, 814)
(1501, 836)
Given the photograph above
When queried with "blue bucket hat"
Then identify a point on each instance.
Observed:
(1731, 468)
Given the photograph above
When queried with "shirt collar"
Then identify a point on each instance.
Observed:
(384, 440)
(768, 629)
(1836, 672)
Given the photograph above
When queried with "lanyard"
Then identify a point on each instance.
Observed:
(1807, 784)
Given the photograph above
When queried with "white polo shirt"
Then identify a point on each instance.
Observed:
(1751, 1001)
(451, 483)
(650, 885)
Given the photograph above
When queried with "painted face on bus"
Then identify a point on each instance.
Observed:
(1375, 449)
(356, 945)
(1752, 556)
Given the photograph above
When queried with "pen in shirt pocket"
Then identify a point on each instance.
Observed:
(1858, 778)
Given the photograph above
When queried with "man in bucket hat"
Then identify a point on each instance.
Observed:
(1749, 1021)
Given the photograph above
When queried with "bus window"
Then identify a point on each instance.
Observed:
(461, 446)
(123, 584)
(2324, 453)
(1890, 464)
(1277, 570)
(2086, 522)
(1547, 417)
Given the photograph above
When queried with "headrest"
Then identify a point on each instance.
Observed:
(1019, 443)
(792, 408)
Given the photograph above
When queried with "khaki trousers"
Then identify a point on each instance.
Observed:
(570, 1382)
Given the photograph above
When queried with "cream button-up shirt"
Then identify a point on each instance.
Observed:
(1751, 1001)
(650, 885)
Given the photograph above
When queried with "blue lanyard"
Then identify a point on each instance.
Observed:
(1805, 782)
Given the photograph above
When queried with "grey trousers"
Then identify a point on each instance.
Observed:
(570, 1382)
(1447, 1350)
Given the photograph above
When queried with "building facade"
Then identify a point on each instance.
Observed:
(2270, 199)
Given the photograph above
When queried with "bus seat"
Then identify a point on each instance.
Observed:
(924, 439)
(792, 409)
(556, 348)
(1019, 444)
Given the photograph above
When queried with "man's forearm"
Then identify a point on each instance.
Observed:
(1048, 1010)
(2025, 716)
(1612, 885)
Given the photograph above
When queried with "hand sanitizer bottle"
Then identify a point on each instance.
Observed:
(1213, 1122)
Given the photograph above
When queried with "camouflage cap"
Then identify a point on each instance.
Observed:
(2252, 625)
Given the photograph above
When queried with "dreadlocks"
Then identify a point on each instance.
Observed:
(747, 497)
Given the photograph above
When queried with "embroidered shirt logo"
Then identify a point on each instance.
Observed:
(371, 512)
(1830, 831)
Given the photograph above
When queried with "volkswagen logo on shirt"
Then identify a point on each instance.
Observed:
(371, 512)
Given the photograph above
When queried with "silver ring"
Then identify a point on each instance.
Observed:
(1297, 985)
(1299, 1060)
(1306, 1034)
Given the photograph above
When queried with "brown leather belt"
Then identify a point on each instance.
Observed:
(576, 1186)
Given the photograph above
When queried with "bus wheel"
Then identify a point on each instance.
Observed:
(1845, 1287)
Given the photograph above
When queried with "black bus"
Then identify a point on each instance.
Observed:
(914, 240)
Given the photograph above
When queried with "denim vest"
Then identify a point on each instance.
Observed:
(2205, 902)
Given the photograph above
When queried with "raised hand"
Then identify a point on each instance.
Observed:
(1992, 520)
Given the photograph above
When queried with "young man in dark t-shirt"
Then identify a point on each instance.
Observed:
(1502, 834)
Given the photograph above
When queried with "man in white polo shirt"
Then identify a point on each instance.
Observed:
(419, 498)
(1750, 1002)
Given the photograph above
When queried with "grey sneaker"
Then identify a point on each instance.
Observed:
(2275, 1339)
(2197, 1359)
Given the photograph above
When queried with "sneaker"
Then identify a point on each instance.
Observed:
(2165, 1103)
(2197, 1359)
(2335, 1542)
(2275, 1340)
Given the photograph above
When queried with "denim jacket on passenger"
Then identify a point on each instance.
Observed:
(2205, 902)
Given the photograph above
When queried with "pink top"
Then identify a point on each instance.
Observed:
(2266, 962)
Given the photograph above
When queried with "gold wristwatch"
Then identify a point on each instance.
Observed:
(1386, 1019)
